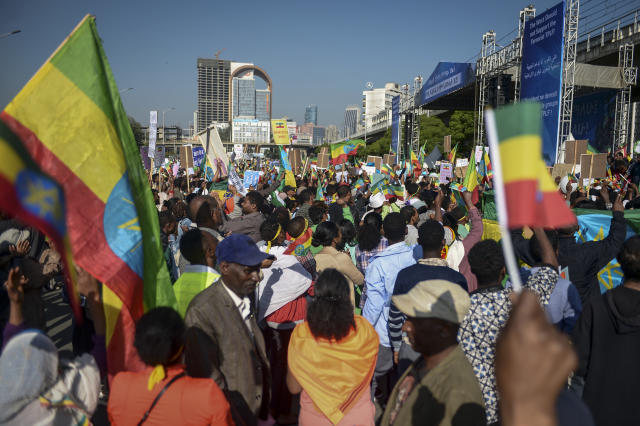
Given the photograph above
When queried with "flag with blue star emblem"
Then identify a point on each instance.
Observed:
(35, 199)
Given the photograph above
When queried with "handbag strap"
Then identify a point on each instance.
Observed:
(155, 401)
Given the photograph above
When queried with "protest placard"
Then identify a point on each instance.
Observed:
(561, 170)
(593, 166)
(153, 121)
(186, 156)
(462, 162)
(377, 161)
(446, 172)
(389, 159)
(251, 178)
(479, 152)
(573, 150)
(323, 158)
(198, 156)
(144, 154)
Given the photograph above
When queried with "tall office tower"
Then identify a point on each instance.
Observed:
(319, 135)
(351, 118)
(332, 133)
(311, 114)
(213, 92)
(244, 97)
(262, 104)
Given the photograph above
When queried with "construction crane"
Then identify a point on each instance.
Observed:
(217, 55)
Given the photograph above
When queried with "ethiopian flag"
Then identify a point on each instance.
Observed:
(531, 196)
(341, 151)
(301, 244)
(470, 181)
(391, 191)
(387, 170)
(35, 199)
(414, 159)
(452, 155)
(71, 121)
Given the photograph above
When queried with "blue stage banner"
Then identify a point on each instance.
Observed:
(395, 124)
(593, 118)
(446, 78)
(542, 72)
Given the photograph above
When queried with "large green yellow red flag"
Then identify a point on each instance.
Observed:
(71, 121)
(341, 151)
(531, 196)
(37, 200)
(470, 181)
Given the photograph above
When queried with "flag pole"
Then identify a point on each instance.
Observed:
(501, 203)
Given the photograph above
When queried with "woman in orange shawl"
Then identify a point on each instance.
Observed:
(332, 357)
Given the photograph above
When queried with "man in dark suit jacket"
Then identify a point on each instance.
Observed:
(223, 339)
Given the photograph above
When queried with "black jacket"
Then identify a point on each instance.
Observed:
(586, 259)
(335, 213)
(607, 340)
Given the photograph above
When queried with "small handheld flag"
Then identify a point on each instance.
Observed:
(525, 193)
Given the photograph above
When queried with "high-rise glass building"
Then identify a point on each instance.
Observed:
(262, 104)
(311, 114)
(244, 97)
(318, 135)
(351, 118)
(213, 92)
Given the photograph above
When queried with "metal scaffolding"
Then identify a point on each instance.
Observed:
(406, 107)
(493, 63)
(623, 98)
(488, 49)
(526, 14)
(568, 74)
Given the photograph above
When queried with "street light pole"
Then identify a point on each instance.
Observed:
(369, 86)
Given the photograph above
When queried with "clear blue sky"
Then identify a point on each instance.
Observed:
(316, 52)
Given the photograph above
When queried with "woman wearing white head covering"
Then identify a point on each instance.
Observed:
(32, 391)
(36, 387)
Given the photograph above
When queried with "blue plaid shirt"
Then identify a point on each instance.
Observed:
(362, 261)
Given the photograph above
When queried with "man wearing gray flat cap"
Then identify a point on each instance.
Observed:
(440, 387)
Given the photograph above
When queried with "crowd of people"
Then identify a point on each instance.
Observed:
(331, 302)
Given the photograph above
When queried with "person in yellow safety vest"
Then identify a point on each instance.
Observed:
(199, 248)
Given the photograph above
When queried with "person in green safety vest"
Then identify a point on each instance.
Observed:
(199, 248)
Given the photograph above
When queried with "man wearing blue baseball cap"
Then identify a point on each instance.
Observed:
(223, 339)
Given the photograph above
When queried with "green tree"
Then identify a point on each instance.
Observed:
(377, 148)
(138, 133)
(432, 131)
(461, 126)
